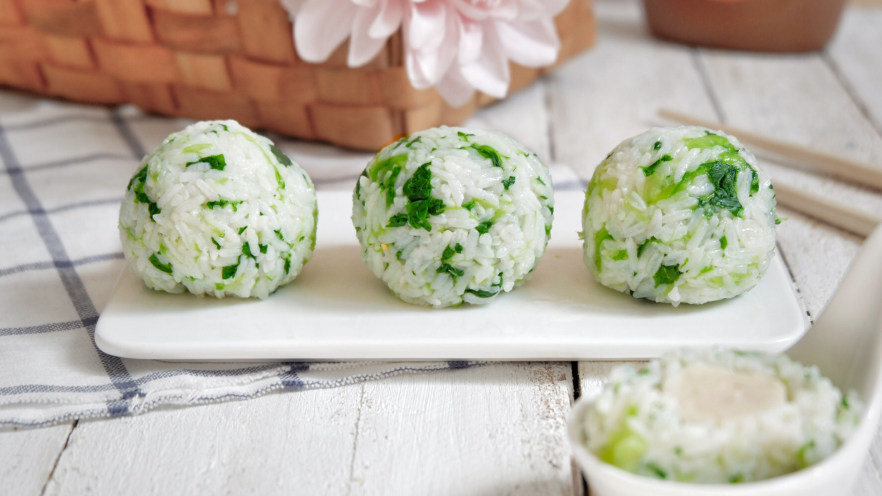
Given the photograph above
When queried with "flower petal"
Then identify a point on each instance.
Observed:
(471, 36)
(454, 89)
(533, 44)
(507, 9)
(320, 27)
(427, 25)
(428, 63)
(362, 46)
(389, 19)
(489, 73)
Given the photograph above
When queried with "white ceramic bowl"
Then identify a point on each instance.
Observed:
(845, 343)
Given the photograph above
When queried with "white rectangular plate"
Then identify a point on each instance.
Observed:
(337, 309)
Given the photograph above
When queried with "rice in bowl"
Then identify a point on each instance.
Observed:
(679, 215)
(217, 209)
(449, 216)
(717, 416)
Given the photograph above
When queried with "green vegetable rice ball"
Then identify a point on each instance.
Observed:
(450, 215)
(679, 215)
(217, 209)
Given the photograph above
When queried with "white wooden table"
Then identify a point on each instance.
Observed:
(499, 429)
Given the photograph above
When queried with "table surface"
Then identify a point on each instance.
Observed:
(500, 428)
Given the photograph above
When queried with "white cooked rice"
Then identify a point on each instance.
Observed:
(636, 424)
(480, 230)
(657, 226)
(217, 209)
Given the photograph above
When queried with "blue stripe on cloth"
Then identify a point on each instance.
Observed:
(290, 379)
(51, 327)
(63, 208)
(122, 127)
(54, 121)
(76, 289)
(60, 263)
(570, 186)
(141, 381)
(85, 159)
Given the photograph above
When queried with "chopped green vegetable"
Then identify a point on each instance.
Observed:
(419, 185)
(449, 269)
(489, 152)
(196, 148)
(724, 177)
(642, 246)
(398, 220)
(379, 169)
(449, 251)
(710, 140)
(599, 237)
(280, 156)
(246, 250)
(389, 184)
(656, 470)
(218, 245)
(216, 162)
(229, 271)
(463, 135)
(620, 255)
(484, 227)
(223, 203)
(421, 205)
(657, 145)
(507, 182)
(136, 185)
(666, 274)
(481, 293)
(650, 169)
(624, 449)
(803, 452)
(164, 267)
(723, 242)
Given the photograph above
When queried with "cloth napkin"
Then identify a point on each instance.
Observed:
(63, 171)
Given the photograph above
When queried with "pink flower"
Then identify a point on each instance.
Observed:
(455, 46)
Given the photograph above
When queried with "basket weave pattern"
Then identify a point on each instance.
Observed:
(211, 59)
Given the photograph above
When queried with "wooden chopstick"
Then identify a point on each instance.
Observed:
(832, 212)
(790, 153)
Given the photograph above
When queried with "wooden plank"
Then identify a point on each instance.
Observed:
(614, 90)
(28, 456)
(854, 53)
(499, 428)
(276, 444)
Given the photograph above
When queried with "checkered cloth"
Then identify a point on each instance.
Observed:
(63, 171)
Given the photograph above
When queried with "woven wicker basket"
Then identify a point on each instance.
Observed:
(210, 59)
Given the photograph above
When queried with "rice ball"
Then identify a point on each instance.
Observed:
(679, 215)
(450, 215)
(217, 209)
(718, 416)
